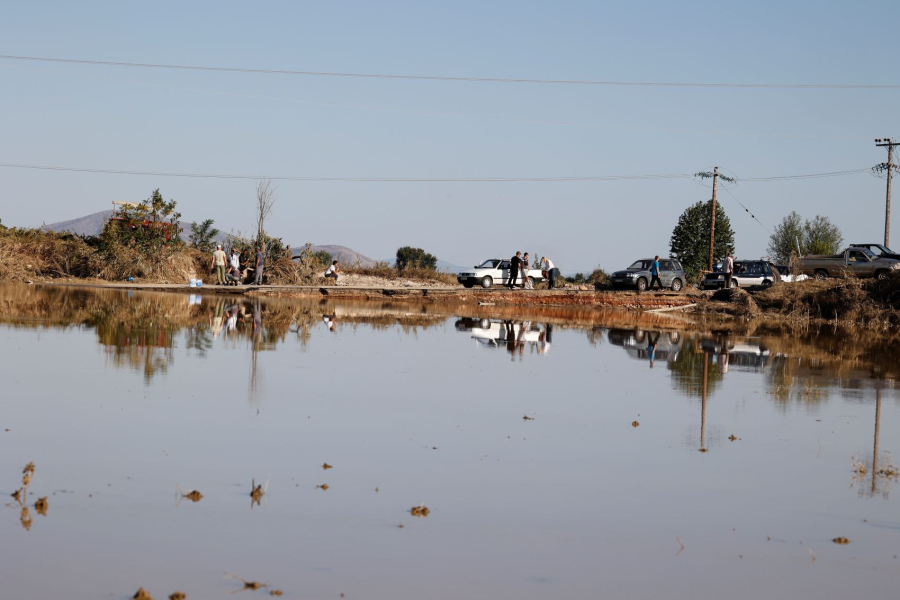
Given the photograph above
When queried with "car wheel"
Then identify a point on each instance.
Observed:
(531, 281)
(767, 283)
(733, 284)
(487, 281)
(676, 285)
(468, 285)
(641, 284)
(881, 275)
(820, 274)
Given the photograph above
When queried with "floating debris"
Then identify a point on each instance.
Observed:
(732, 437)
(419, 511)
(276, 593)
(193, 496)
(177, 596)
(41, 506)
(250, 585)
(703, 450)
(326, 466)
(635, 424)
(841, 540)
(142, 594)
(323, 487)
(257, 492)
(527, 418)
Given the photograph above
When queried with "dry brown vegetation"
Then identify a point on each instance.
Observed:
(846, 302)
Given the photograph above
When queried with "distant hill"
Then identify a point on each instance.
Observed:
(89, 225)
(343, 254)
(93, 225)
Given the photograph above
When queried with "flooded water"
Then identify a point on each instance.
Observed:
(560, 454)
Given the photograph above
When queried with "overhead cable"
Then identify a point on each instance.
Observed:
(394, 76)
(553, 179)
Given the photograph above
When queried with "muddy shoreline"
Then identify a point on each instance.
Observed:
(430, 294)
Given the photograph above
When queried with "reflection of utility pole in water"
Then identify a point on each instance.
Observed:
(875, 455)
(255, 334)
(703, 403)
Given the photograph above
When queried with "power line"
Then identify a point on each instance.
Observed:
(747, 210)
(554, 179)
(352, 179)
(432, 113)
(808, 176)
(392, 76)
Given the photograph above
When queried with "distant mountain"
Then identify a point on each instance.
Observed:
(343, 254)
(443, 265)
(89, 225)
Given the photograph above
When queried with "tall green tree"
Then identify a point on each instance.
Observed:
(783, 240)
(690, 238)
(822, 236)
(203, 235)
(408, 256)
(818, 236)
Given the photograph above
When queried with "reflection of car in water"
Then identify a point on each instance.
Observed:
(499, 334)
(639, 343)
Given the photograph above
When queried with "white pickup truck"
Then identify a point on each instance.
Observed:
(495, 270)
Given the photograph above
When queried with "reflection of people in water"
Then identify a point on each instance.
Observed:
(545, 339)
(652, 339)
(231, 323)
(257, 318)
(510, 336)
(217, 319)
(520, 342)
(329, 321)
(723, 362)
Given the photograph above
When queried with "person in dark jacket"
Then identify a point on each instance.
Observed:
(515, 264)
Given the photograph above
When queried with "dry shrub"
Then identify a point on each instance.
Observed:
(848, 300)
(737, 302)
(169, 265)
(386, 271)
(31, 253)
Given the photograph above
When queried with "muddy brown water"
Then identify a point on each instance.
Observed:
(754, 451)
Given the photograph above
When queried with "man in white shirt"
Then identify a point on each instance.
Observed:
(728, 269)
(552, 272)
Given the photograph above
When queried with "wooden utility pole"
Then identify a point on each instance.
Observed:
(888, 168)
(715, 176)
(712, 228)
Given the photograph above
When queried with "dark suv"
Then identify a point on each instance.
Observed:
(638, 274)
(746, 273)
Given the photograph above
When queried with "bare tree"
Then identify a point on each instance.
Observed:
(266, 194)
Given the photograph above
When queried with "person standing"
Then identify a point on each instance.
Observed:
(526, 282)
(728, 269)
(515, 263)
(654, 274)
(551, 271)
(218, 263)
(260, 265)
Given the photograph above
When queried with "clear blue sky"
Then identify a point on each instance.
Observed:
(141, 119)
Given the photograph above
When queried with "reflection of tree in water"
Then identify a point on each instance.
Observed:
(687, 370)
(143, 346)
(199, 338)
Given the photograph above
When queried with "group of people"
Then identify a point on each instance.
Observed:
(519, 265)
(230, 271)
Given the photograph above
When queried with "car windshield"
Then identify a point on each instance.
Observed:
(641, 264)
(489, 264)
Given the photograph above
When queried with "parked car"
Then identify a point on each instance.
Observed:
(746, 273)
(860, 262)
(638, 274)
(878, 250)
(495, 270)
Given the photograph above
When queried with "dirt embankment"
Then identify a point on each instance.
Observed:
(850, 301)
